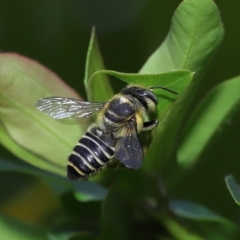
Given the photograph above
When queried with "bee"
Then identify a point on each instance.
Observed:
(114, 132)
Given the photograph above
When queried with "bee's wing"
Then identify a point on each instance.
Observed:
(68, 110)
(129, 150)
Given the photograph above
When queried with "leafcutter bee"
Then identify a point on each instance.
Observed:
(114, 132)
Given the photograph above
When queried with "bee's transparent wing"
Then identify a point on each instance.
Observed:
(68, 110)
(129, 150)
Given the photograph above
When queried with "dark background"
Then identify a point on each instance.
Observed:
(56, 33)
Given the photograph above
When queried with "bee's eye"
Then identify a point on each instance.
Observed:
(149, 94)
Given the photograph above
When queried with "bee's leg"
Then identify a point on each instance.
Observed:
(150, 125)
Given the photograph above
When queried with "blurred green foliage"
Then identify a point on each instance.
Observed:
(136, 206)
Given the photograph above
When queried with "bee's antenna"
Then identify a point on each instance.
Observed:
(164, 88)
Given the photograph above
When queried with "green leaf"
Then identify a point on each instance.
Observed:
(92, 196)
(175, 80)
(213, 112)
(99, 89)
(28, 133)
(116, 219)
(25, 154)
(233, 188)
(204, 221)
(22, 167)
(89, 191)
(84, 191)
(62, 235)
(195, 34)
(193, 211)
(179, 232)
(14, 229)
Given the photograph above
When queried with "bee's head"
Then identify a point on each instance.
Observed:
(145, 96)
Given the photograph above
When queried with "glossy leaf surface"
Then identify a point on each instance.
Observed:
(28, 133)
(99, 89)
(233, 187)
(195, 33)
(214, 112)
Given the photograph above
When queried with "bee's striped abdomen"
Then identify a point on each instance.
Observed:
(93, 151)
